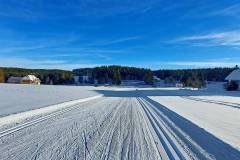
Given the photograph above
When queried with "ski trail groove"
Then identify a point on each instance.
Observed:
(105, 129)
(36, 121)
(105, 132)
(177, 138)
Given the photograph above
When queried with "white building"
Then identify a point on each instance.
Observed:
(234, 76)
(76, 79)
(85, 79)
(81, 79)
(155, 78)
(179, 85)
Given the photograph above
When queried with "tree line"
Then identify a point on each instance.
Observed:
(195, 77)
(103, 74)
(115, 74)
(45, 75)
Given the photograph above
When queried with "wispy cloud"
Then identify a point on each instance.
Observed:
(18, 43)
(43, 64)
(201, 9)
(202, 64)
(62, 46)
(54, 64)
(232, 10)
(114, 41)
(229, 38)
(186, 64)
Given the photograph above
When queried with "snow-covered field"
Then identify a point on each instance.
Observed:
(18, 98)
(126, 123)
(221, 120)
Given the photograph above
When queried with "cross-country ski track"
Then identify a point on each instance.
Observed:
(112, 128)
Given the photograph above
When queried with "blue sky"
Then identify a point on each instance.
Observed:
(68, 34)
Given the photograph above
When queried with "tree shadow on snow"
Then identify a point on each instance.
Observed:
(213, 145)
(181, 93)
(162, 92)
(233, 105)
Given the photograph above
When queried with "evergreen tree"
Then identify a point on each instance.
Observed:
(232, 86)
(106, 77)
(148, 77)
(116, 77)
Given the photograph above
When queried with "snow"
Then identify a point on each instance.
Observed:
(219, 115)
(124, 123)
(99, 129)
(15, 98)
(30, 77)
(234, 76)
(15, 118)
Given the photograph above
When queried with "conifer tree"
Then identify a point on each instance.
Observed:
(116, 77)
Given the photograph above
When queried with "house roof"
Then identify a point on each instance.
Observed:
(234, 76)
(30, 77)
(155, 77)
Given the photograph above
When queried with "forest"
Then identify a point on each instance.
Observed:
(194, 77)
(45, 75)
(103, 74)
(208, 74)
(115, 74)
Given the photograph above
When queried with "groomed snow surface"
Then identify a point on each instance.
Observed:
(18, 98)
(118, 123)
